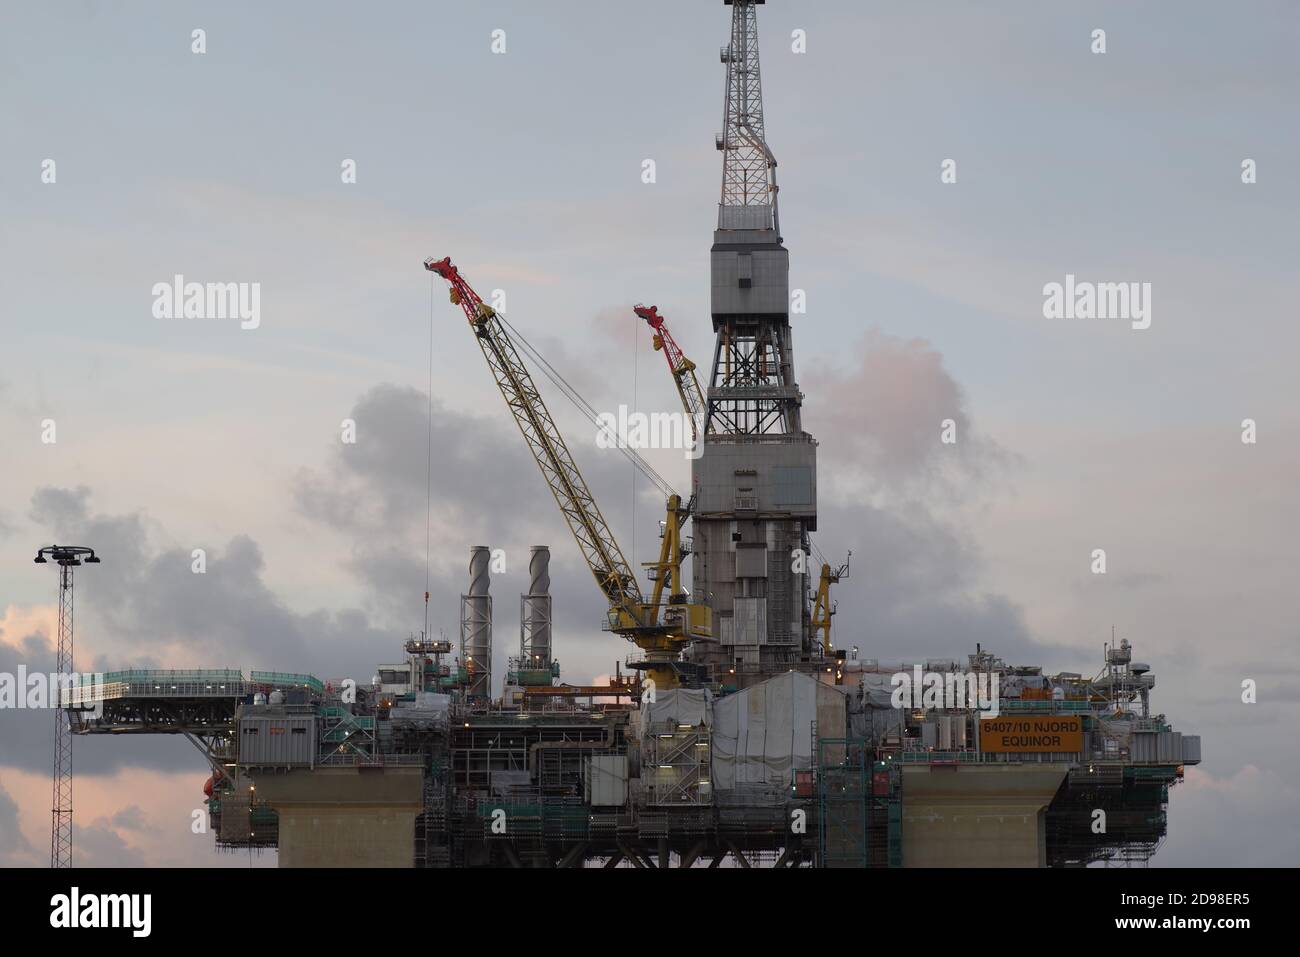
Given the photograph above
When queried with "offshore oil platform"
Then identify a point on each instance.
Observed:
(739, 734)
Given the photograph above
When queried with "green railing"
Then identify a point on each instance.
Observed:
(185, 676)
(186, 682)
(534, 819)
(939, 757)
(1046, 706)
(284, 679)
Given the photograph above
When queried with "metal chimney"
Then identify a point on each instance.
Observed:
(476, 625)
(535, 612)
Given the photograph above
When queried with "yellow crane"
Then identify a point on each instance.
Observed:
(823, 607)
(661, 629)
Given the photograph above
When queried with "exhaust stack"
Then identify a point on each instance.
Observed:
(476, 625)
(535, 612)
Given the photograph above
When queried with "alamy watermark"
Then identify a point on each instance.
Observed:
(39, 690)
(953, 690)
(74, 909)
(656, 430)
(179, 299)
(1098, 300)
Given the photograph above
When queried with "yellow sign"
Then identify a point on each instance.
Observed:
(1031, 733)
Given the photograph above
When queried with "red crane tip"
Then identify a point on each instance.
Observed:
(442, 267)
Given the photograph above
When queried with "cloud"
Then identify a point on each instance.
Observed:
(28, 629)
(132, 818)
(27, 734)
(485, 489)
(1246, 818)
(13, 844)
(886, 411)
(886, 482)
(377, 485)
(112, 840)
(129, 818)
(146, 607)
(100, 845)
(913, 589)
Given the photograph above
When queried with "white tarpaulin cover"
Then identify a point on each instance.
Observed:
(678, 706)
(877, 690)
(763, 734)
(428, 701)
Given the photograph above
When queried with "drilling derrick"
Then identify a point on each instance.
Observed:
(756, 480)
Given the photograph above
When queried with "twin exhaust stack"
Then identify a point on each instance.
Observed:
(476, 618)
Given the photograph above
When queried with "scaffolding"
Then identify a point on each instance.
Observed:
(843, 789)
(676, 767)
(860, 811)
(1134, 801)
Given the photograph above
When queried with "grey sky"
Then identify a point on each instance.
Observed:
(525, 167)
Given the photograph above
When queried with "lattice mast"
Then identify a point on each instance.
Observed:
(748, 166)
(67, 557)
(61, 825)
(752, 386)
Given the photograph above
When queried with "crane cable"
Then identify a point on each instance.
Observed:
(635, 369)
(428, 473)
(585, 408)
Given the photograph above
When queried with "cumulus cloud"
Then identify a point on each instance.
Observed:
(129, 818)
(99, 844)
(1245, 818)
(884, 480)
(885, 409)
(14, 846)
(137, 817)
(149, 608)
(485, 489)
(27, 640)
(915, 589)
(377, 485)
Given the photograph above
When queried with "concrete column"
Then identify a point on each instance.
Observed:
(345, 817)
(977, 815)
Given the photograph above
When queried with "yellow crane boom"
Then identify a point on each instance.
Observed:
(823, 607)
(661, 637)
